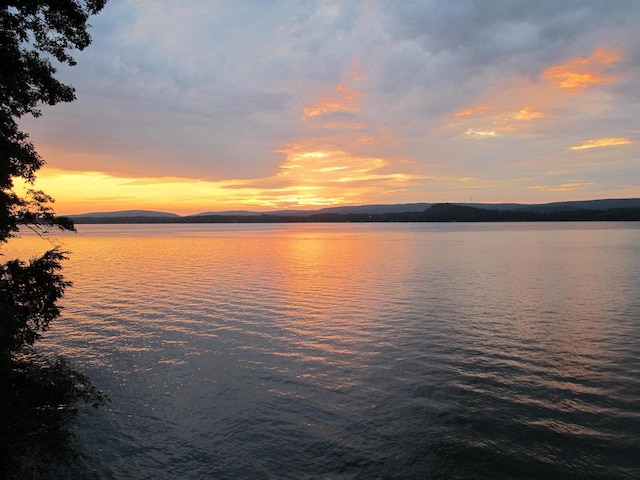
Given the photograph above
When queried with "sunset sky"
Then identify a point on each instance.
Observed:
(204, 105)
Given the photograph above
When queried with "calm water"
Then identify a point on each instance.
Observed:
(436, 351)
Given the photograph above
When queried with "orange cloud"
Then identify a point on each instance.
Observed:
(325, 171)
(563, 187)
(607, 57)
(315, 176)
(501, 113)
(528, 113)
(343, 99)
(494, 119)
(480, 108)
(318, 168)
(603, 142)
(580, 72)
(494, 124)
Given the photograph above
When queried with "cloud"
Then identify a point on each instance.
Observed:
(528, 113)
(480, 133)
(473, 110)
(227, 93)
(563, 187)
(340, 108)
(603, 142)
(582, 72)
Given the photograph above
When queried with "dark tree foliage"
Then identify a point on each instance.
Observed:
(35, 392)
(36, 419)
(28, 299)
(33, 34)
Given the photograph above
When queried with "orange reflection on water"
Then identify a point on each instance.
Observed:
(329, 278)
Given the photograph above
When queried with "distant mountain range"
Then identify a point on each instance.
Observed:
(329, 213)
(124, 214)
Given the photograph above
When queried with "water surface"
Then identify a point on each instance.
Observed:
(444, 351)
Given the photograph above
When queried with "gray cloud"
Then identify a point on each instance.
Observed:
(214, 89)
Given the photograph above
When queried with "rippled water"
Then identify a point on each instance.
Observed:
(357, 351)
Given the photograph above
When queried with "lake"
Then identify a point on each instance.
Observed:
(340, 351)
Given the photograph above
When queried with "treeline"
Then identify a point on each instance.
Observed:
(440, 212)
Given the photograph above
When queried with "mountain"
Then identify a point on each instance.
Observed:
(374, 209)
(225, 212)
(604, 204)
(403, 212)
(124, 214)
(342, 210)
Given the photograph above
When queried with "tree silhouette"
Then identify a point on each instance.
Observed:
(33, 34)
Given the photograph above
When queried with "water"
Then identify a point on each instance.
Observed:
(443, 351)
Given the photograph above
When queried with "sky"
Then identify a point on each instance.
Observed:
(188, 106)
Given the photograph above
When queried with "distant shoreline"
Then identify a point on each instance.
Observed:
(441, 212)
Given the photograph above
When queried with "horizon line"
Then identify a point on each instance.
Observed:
(326, 207)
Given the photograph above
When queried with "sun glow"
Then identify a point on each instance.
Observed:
(308, 177)
(347, 146)
(326, 167)
(80, 192)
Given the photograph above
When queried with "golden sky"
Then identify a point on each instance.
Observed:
(214, 106)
